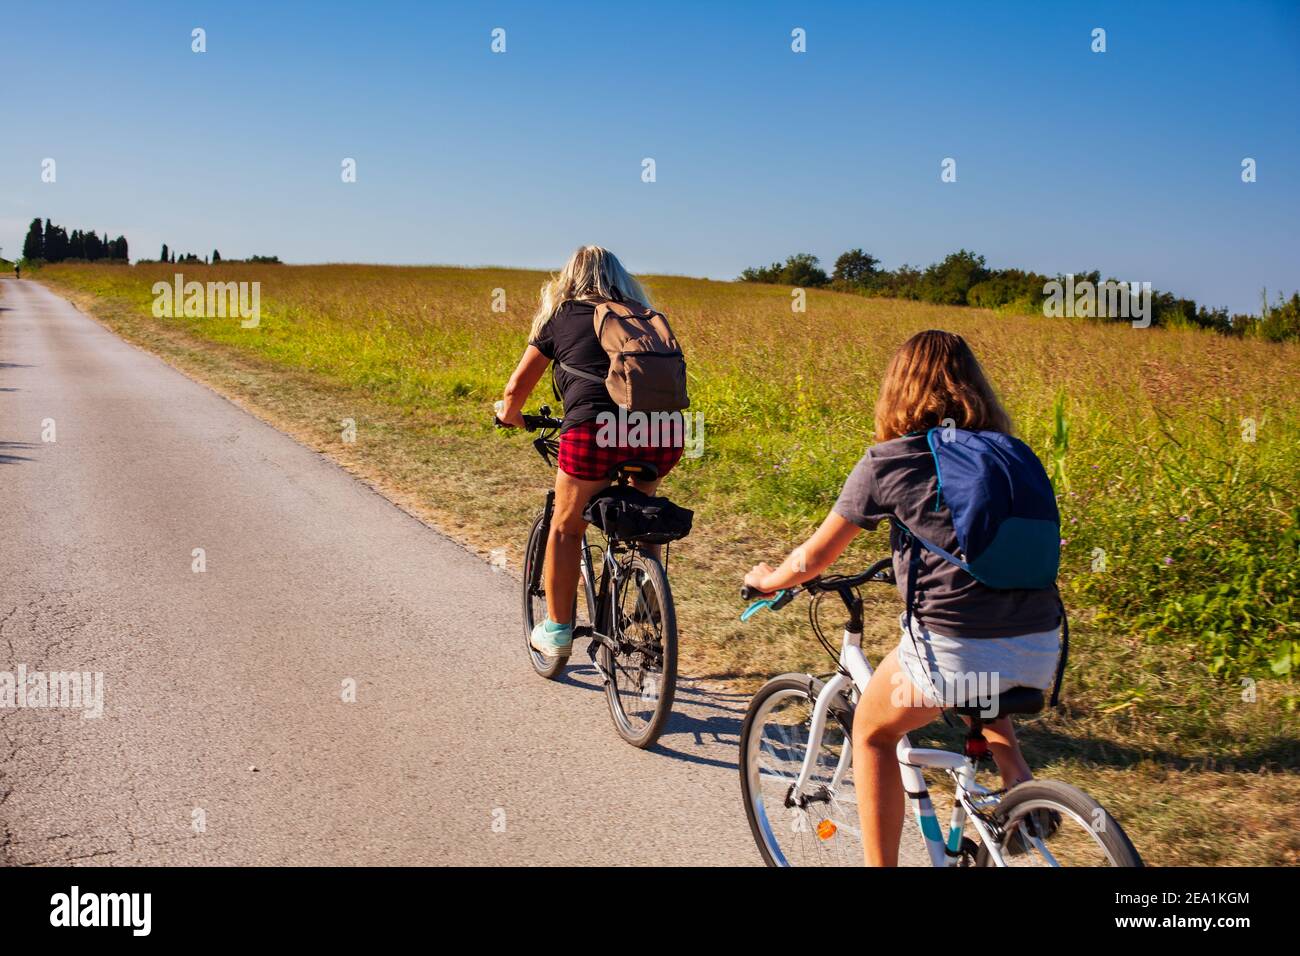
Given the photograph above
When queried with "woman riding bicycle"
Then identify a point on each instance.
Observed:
(962, 633)
(563, 333)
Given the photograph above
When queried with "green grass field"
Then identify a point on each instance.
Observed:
(1175, 455)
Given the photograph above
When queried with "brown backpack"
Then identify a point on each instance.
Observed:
(647, 372)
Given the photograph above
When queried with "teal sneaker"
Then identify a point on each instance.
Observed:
(552, 640)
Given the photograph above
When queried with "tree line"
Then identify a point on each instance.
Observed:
(169, 255)
(47, 242)
(51, 243)
(964, 278)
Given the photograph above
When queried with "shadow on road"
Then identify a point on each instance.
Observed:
(8, 459)
(713, 719)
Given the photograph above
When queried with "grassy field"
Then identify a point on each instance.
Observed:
(1175, 454)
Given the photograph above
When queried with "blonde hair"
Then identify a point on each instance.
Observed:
(590, 273)
(933, 377)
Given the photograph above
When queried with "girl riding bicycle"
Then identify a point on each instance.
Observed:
(962, 634)
(563, 332)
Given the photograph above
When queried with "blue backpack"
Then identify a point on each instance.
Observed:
(1004, 514)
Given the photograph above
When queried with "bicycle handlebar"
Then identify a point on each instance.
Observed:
(540, 422)
(841, 584)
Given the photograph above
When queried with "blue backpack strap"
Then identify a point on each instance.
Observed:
(950, 558)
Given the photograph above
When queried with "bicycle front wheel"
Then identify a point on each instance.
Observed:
(534, 609)
(643, 670)
(819, 826)
(1048, 823)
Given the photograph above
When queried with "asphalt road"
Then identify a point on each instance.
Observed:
(224, 736)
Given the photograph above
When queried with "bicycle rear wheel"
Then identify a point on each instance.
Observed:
(643, 671)
(822, 828)
(1048, 823)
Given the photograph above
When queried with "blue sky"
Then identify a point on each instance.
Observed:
(1127, 161)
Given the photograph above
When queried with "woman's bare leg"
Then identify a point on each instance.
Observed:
(890, 707)
(564, 546)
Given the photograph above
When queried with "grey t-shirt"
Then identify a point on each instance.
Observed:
(897, 479)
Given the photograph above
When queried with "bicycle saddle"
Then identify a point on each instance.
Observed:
(1018, 700)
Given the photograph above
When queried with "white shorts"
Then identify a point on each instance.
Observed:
(968, 671)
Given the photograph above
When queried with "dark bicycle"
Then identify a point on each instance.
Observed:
(630, 618)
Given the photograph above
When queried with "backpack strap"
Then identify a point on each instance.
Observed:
(947, 556)
(1065, 653)
(580, 373)
(598, 317)
(913, 568)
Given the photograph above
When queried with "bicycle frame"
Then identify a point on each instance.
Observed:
(597, 592)
(853, 674)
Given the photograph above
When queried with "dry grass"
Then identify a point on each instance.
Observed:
(1153, 728)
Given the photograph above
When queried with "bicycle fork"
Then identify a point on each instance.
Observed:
(544, 532)
(854, 672)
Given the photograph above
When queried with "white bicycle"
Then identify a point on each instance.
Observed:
(796, 771)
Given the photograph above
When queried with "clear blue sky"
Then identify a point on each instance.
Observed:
(1127, 161)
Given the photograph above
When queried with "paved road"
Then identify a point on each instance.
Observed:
(311, 579)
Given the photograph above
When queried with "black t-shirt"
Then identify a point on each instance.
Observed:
(897, 479)
(571, 338)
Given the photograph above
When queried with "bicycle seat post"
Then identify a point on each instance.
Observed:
(977, 745)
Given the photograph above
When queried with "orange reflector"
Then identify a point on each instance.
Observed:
(825, 830)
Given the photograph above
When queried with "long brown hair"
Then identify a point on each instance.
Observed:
(934, 377)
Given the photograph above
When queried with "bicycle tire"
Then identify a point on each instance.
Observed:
(1054, 795)
(645, 732)
(821, 851)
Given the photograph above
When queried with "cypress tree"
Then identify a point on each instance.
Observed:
(34, 244)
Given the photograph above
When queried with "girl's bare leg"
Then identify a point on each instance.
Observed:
(1006, 752)
(890, 708)
(564, 546)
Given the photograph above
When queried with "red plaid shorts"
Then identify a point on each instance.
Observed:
(581, 456)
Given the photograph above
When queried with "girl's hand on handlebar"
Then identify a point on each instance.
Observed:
(508, 418)
(757, 578)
